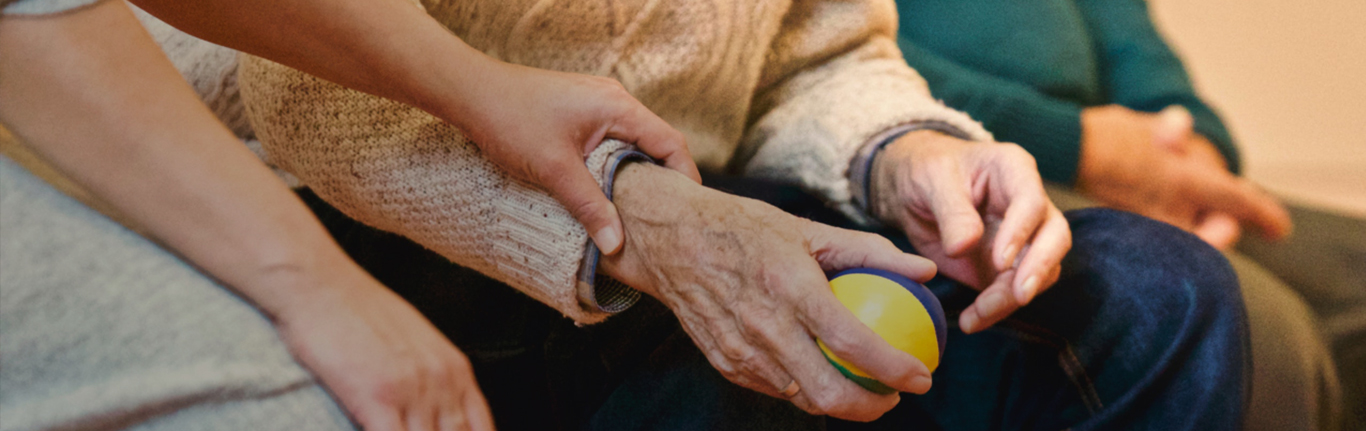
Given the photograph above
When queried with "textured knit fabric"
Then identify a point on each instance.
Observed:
(788, 90)
(1025, 69)
(42, 7)
(102, 329)
(1295, 384)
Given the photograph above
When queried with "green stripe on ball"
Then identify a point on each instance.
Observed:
(867, 383)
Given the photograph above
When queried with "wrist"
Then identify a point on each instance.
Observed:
(1102, 132)
(654, 203)
(457, 88)
(284, 287)
(890, 167)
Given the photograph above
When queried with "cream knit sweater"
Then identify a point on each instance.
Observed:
(784, 89)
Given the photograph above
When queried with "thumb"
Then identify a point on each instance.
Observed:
(580, 194)
(838, 249)
(1173, 127)
(655, 137)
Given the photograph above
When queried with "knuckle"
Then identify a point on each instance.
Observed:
(840, 344)
(727, 370)
(876, 242)
(773, 278)
(390, 390)
(757, 322)
(734, 350)
(754, 365)
(678, 140)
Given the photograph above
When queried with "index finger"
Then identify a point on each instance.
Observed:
(1048, 247)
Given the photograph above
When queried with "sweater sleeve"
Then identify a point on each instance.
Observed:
(399, 169)
(833, 83)
(1141, 72)
(42, 7)
(1048, 127)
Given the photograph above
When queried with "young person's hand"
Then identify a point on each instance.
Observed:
(385, 363)
(92, 94)
(539, 125)
(535, 124)
(1155, 165)
(746, 282)
(979, 211)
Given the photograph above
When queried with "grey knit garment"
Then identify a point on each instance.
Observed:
(42, 7)
(102, 329)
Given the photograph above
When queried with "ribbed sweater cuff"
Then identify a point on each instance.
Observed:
(606, 294)
(1049, 130)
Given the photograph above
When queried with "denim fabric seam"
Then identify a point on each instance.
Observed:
(1067, 358)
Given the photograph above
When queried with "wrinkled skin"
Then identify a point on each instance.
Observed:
(746, 281)
(979, 211)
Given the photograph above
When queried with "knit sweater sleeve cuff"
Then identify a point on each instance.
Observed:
(819, 120)
(1050, 130)
(861, 167)
(605, 294)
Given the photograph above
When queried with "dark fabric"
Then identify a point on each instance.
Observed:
(1025, 69)
(1146, 331)
(1326, 261)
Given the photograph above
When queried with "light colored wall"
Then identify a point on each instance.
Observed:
(1290, 79)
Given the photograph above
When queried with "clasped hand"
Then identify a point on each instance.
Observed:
(1157, 166)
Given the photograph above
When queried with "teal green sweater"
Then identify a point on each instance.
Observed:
(1026, 68)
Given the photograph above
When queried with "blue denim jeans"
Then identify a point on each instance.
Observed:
(1145, 330)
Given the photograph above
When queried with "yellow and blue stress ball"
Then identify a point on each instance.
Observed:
(899, 310)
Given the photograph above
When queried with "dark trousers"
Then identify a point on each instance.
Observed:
(1325, 263)
(1145, 330)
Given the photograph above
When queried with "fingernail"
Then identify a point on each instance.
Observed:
(608, 240)
(1030, 288)
(921, 384)
(1008, 258)
(968, 322)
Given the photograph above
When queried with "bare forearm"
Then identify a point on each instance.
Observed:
(92, 94)
(389, 48)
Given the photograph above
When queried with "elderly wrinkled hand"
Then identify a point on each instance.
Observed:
(746, 281)
(979, 211)
(1157, 166)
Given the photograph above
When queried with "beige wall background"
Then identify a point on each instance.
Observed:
(1290, 79)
